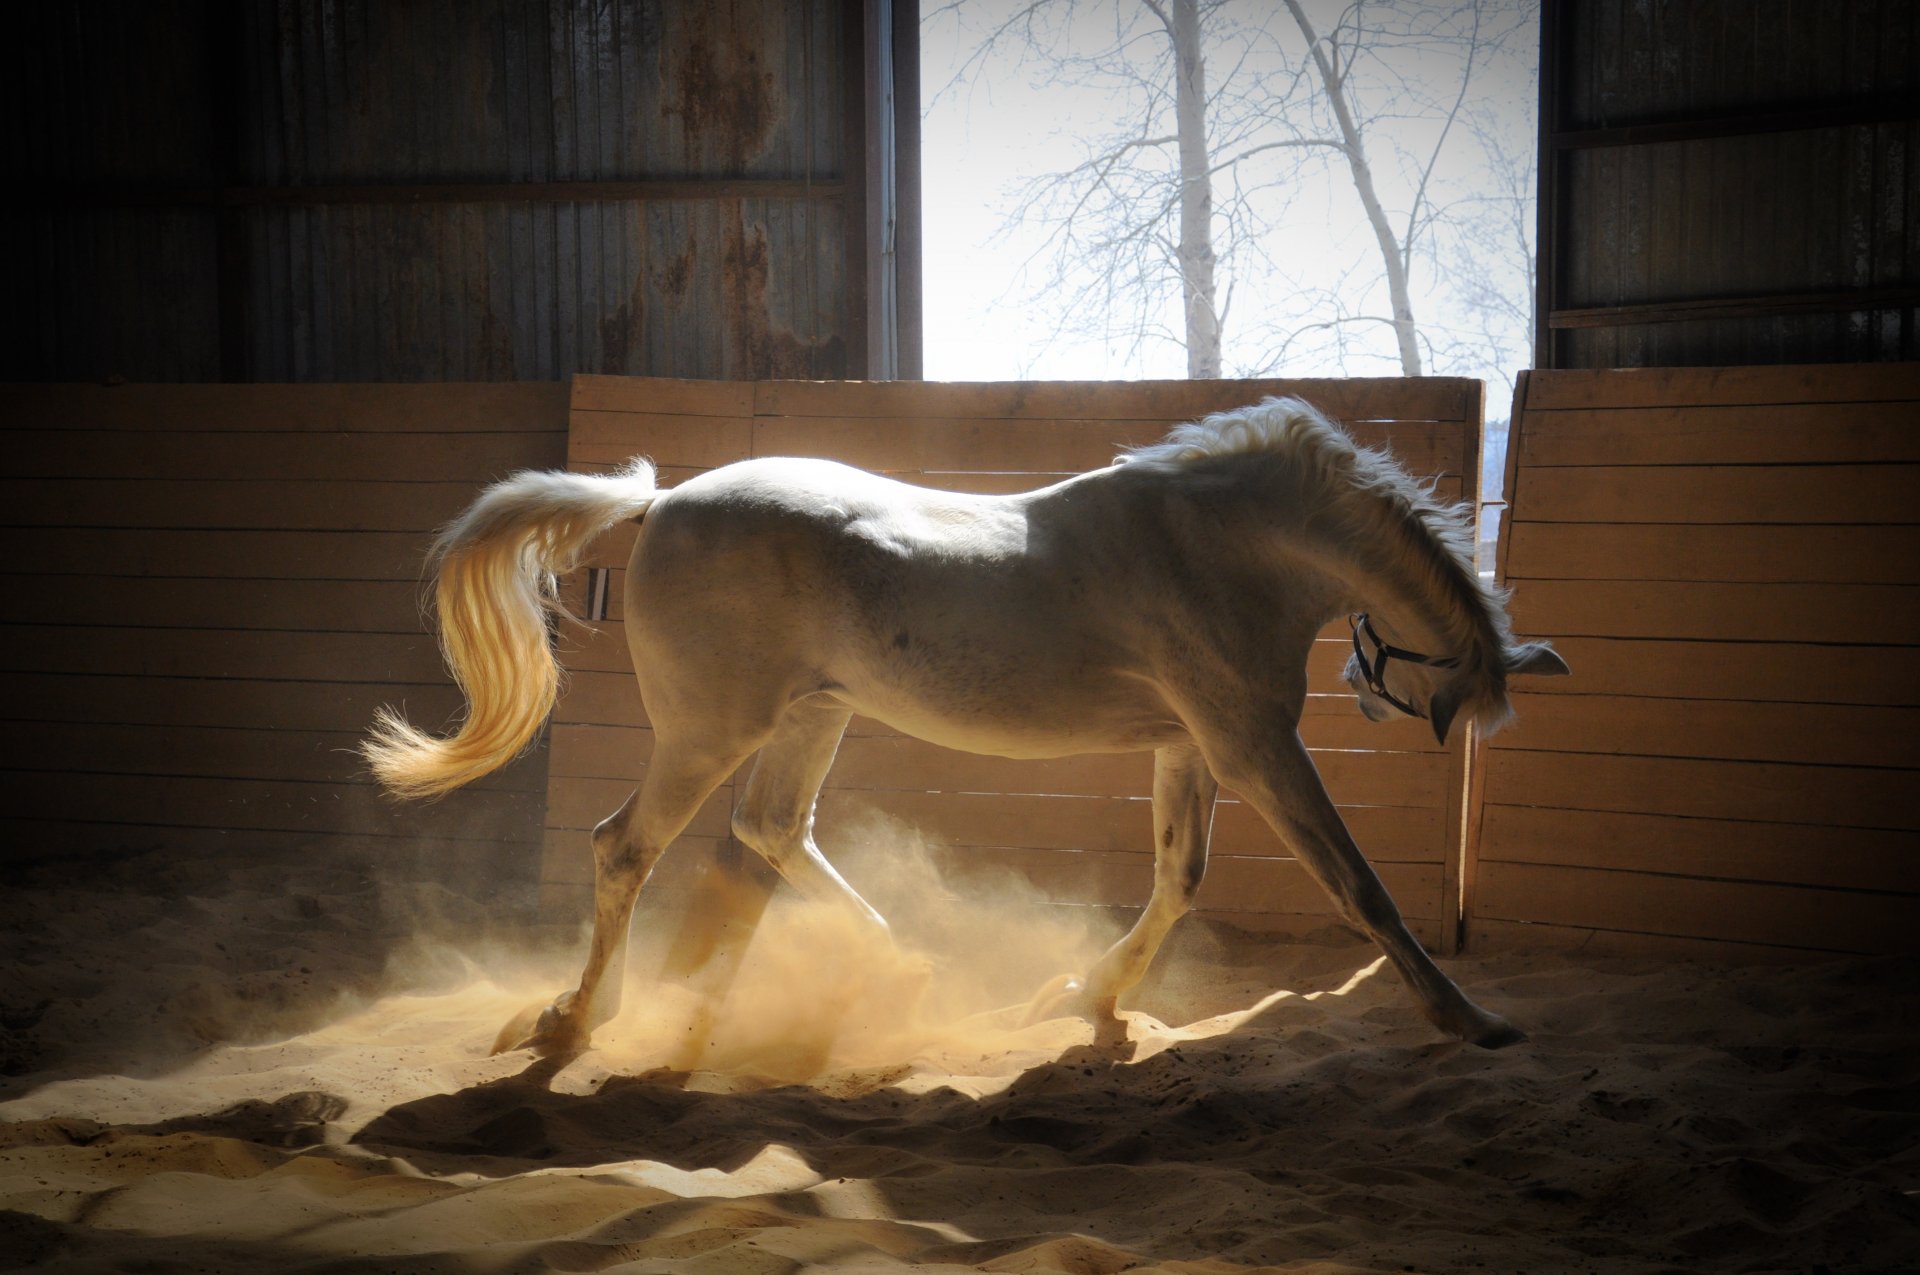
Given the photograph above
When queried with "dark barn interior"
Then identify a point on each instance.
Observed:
(284, 286)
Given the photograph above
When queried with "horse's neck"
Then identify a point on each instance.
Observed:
(1400, 571)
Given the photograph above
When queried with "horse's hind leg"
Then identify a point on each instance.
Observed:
(1183, 795)
(626, 845)
(1278, 778)
(774, 814)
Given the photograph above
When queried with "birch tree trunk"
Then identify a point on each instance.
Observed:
(1195, 257)
(1352, 144)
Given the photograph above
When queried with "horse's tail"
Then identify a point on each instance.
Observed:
(495, 591)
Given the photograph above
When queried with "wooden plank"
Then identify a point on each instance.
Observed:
(275, 805)
(1737, 911)
(1773, 671)
(1740, 850)
(197, 653)
(1846, 796)
(500, 863)
(695, 442)
(1345, 399)
(662, 394)
(1738, 612)
(427, 407)
(174, 554)
(474, 456)
(1800, 433)
(1491, 936)
(284, 505)
(215, 752)
(302, 606)
(1704, 386)
(183, 701)
(1718, 553)
(1719, 494)
(1727, 730)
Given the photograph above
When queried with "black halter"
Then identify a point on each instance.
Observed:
(1375, 670)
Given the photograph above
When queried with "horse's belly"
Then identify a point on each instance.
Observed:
(1051, 725)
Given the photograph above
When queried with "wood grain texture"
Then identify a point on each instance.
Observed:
(1729, 559)
(213, 589)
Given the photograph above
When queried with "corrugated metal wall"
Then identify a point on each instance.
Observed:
(506, 189)
(1729, 182)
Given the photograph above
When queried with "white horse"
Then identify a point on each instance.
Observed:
(1167, 602)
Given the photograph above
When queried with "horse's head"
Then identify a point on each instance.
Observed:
(1393, 681)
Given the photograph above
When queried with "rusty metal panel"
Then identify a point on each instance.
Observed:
(157, 208)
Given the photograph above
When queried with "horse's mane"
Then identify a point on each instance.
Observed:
(1387, 521)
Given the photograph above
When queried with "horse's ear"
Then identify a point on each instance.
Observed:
(1537, 659)
(1442, 707)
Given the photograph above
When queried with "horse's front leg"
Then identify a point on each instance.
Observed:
(1183, 793)
(1277, 777)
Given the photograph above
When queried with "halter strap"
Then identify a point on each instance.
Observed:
(1375, 670)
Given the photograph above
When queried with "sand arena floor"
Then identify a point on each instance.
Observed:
(222, 1065)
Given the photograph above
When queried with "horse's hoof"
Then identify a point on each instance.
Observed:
(545, 1029)
(1496, 1033)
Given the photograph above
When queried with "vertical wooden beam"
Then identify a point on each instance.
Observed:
(907, 235)
(1463, 757)
(1546, 281)
(854, 145)
(226, 88)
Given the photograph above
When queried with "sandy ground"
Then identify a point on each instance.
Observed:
(225, 1065)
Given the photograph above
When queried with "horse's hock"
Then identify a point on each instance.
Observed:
(1079, 827)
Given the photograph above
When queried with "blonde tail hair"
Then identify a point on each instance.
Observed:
(495, 589)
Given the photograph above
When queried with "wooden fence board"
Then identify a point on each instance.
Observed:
(263, 704)
(217, 653)
(175, 554)
(1737, 911)
(304, 606)
(87, 748)
(270, 504)
(1778, 672)
(513, 407)
(1730, 612)
(271, 805)
(1723, 386)
(1786, 853)
(1718, 494)
(470, 457)
(1728, 730)
(1709, 552)
(1799, 433)
(1850, 796)
(727, 399)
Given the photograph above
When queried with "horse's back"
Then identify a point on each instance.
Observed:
(930, 610)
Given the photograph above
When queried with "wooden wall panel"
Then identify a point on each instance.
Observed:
(1078, 826)
(208, 592)
(1727, 559)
